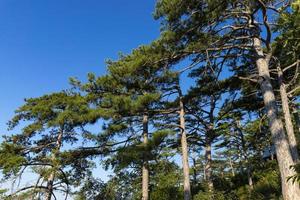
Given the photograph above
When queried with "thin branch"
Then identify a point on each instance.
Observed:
(246, 78)
(293, 90)
(292, 65)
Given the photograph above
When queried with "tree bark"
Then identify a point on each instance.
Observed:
(210, 133)
(51, 177)
(184, 149)
(249, 176)
(231, 167)
(208, 170)
(145, 170)
(287, 117)
(290, 191)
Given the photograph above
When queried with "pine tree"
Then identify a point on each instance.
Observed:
(287, 62)
(128, 98)
(205, 102)
(51, 121)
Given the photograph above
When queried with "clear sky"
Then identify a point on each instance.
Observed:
(43, 43)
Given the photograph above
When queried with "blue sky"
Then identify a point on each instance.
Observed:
(43, 43)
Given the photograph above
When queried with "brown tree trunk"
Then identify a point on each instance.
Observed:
(51, 177)
(184, 149)
(145, 170)
(208, 162)
(290, 191)
(287, 117)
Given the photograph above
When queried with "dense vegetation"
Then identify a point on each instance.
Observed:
(209, 110)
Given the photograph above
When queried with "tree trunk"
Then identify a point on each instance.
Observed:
(290, 191)
(194, 171)
(51, 177)
(184, 148)
(249, 175)
(208, 162)
(145, 173)
(287, 117)
(50, 186)
(210, 133)
(231, 166)
(237, 125)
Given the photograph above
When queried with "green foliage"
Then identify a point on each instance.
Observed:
(268, 185)
(51, 121)
(166, 181)
(137, 152)
(11, 159)
(296, 178)
(2, 193)
(210, 195)
(90, 189)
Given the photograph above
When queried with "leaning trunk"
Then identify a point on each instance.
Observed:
(184, 148)
(287, 117)
(145, 170)
(51, 177)
(290, 190)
